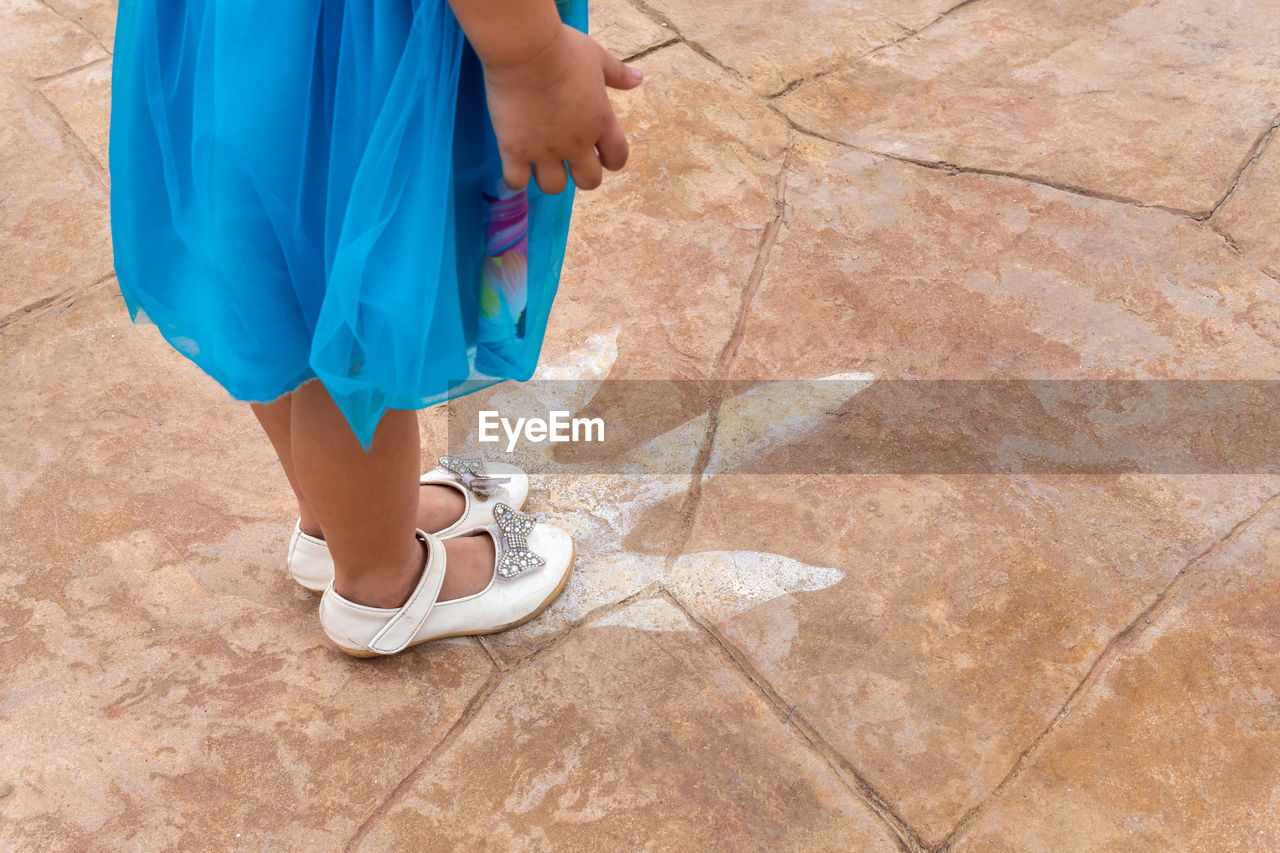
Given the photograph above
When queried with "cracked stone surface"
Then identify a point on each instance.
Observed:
(753, 651)
(907, 272)
(96, 16)
(767, 44)
(966, 612)
(623, 29)
(54, 228)
(83, 99)
(1249, 215)
(632, 733)
(1157, 101)
(35, 41)
(1177, 745)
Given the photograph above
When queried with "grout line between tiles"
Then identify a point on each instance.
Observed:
(1203, 218)
(907, 34)
(492, 659)
(659, 18)
(556, 637)
(768, 240)
(44, 305)
(95, 168)
(1101, 665)
(724, 359)
(76, 23)
(907, 839)
(653, 48)
(942, 166)
(956, 169)
(36, 308)
(1240, 252)
(687, 514)
(496, 676)
(48, 78)
(1255, 152)
(459, 725)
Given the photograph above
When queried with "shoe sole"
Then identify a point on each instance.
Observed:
(573, 556)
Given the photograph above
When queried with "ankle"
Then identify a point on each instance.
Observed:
(439, 507)
(386, 588)
(470, 566)
(309, 524)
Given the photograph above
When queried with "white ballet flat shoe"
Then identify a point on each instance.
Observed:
(532, 564)
(483, 486)
(309, 561)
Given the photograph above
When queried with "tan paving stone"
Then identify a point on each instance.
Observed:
(943, 621)
(153, 649)
(101, 409)
(661, 252)
(83, 98)
(623, 29)
(96, 16)
(35, 41)
(1176, 746)
(54, 221)
(633, 732)
(1159, 102)
(932, 626)
(131, 688)
(1250, 215)
(906, 272)
(773, 45)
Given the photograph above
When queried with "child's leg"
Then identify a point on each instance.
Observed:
(367, 504)
(275, 420)
(438, 506)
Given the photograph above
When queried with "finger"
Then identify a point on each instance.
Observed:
(551, 176)
(617, 74)
(515, 173)
(613, 147)
(586, 171)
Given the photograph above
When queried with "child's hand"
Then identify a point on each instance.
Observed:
(553, 107)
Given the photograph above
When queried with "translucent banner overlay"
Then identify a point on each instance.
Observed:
(852, 425)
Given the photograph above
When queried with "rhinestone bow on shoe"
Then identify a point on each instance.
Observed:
(513, 529)
(471, 474)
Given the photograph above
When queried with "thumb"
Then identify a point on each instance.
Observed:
(618, 75)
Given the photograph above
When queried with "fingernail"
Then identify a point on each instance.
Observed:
(636, 75)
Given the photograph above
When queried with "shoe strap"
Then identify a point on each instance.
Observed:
(400, 629)
(468, 497)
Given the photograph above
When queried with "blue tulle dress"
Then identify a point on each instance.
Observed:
(311, 188)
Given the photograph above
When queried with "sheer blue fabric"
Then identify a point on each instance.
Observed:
(312, 189)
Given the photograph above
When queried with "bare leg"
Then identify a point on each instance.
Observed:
(275, 420)
(438, 506)
(367, 504)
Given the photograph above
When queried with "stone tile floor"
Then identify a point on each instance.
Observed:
(986, 189)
